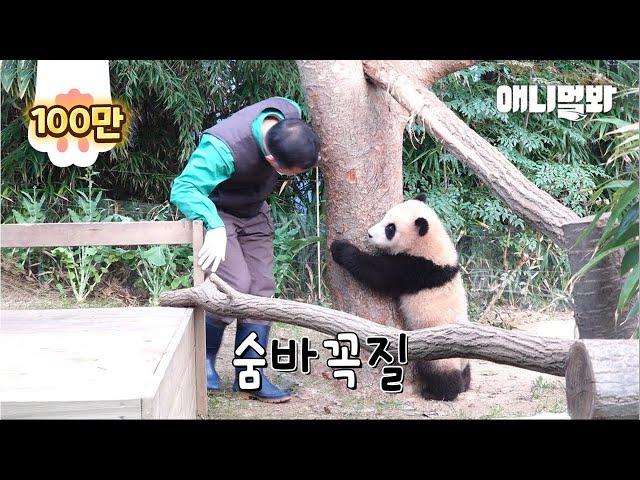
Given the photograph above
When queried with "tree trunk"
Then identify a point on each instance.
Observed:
(546, 355)
(361, 132)
(596, 294)
(534, 206)
(361, 129)
(602, 379)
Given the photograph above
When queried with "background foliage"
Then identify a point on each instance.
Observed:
(171, 101)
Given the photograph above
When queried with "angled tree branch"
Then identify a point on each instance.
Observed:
(436, 69)
(426, 72)
(534, 206)
(547, 355)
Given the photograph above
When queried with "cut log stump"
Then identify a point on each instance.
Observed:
(596, 294)
(602, 379)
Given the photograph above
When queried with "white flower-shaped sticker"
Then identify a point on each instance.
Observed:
(72, 117)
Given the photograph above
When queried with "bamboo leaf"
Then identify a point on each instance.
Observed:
(629, 289)
(598, 258)
(634, 311)
(8, 73)
(627, 196)
(628, 228)
(629, 261)
(629, 238)
(612, 120)
(632, 127)
(25, 76)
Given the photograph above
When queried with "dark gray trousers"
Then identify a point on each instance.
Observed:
(248, 264)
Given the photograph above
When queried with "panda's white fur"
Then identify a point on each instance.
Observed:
(420, 267)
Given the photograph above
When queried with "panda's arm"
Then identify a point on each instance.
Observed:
(374, 271)
(391, 274)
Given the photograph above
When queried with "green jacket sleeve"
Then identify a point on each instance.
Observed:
(209, 165)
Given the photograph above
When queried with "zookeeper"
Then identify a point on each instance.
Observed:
(226, 184)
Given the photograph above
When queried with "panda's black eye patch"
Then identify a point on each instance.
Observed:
(423, 226)
(390, 230)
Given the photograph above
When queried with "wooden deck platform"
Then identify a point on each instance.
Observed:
(98, 363)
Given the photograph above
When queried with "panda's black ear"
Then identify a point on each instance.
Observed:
(423, 226)
(421, 197)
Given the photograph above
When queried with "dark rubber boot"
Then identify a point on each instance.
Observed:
(214, 332)
(268, 392)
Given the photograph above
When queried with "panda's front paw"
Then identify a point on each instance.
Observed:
(342, 250)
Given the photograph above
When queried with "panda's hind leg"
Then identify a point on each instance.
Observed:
(439, 380)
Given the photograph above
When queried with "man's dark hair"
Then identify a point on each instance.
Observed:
(293, 143)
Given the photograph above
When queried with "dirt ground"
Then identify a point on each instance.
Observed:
(497, 391)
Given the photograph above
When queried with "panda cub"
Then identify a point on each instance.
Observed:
(418, 264)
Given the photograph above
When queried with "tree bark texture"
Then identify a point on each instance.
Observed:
(596, 293)
(533, 205)
(602, 379)
(541, 354)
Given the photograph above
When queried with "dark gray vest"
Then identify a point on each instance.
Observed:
(254, 179)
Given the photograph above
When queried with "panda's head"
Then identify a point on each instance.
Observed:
(413, 228)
